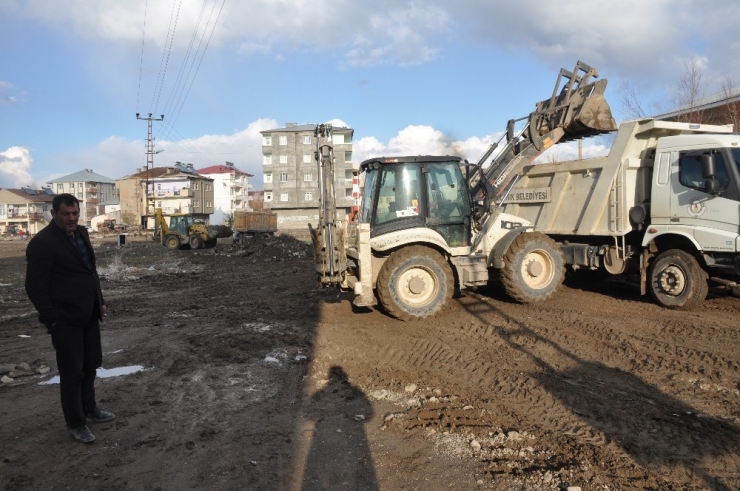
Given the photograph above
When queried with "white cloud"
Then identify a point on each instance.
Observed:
(371, 32)
(15, 167)
(421, 140)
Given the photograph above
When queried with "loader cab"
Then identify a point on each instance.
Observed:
(181, 224)
(410, 192)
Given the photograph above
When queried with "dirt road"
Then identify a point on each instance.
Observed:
(252, 378)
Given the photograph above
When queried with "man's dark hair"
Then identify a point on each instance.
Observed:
(66, 198)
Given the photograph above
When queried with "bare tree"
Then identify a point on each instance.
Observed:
(630, 101)
(690, 92)
(730, 110)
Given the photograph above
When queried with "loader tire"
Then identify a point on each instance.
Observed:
(677, 281)
(534, 268)
(172, 242)
(210, 243)
(415, 282)
(195, 241)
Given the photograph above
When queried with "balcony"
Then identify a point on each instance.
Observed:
(91, 190)
(92, 201)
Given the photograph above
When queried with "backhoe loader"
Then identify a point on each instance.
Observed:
(185, 230)
(429, 225)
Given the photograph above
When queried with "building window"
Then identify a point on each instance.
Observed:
(306, 159)
(283, 196)
(268, 197)
(349, 193)
(307, 177)
(267, 141)
(208, 204)
(348, 156)
(283, 177)
(195, 186)
(267, 160)
(268, 177)
(2, 210)
(283, 140)
(306, 139)
(308, 197)
(60, 188)
(283, 159)
(208, 187)
(347, 175)
(159, 204)
(79, 185)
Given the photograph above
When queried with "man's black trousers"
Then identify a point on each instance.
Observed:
(79, 355)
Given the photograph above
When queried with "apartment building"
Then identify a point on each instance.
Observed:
(90, 188)
(24, 209)
(290, 173)
(230, 191)
(177, 189)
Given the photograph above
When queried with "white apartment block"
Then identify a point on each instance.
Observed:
(90, 188)
(230, 191)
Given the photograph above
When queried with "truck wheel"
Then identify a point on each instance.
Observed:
(533, 268)
(195, 241)
(677, 281)
(172, 242)
(415, 282)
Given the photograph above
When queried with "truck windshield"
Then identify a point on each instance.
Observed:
(368, 196)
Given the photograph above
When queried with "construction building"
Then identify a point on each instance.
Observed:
(290, 173)
(88, 187)
(230, 191)
(178, 189)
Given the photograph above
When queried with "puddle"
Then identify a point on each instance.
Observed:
(103, 373)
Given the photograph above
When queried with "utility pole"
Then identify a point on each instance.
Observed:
(149, 158)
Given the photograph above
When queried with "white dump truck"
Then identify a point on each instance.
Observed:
(664, 202)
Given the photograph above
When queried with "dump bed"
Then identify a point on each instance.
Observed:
(594, 196)
(254, 221)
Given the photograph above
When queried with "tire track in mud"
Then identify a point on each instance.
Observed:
(601, 377)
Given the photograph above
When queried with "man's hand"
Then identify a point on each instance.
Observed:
(103, 311)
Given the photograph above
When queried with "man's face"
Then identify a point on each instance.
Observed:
(66, 217)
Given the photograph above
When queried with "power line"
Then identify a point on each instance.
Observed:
(166, 51)
(177, 115)
(141, 61)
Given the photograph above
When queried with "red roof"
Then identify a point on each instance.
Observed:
(222, 169)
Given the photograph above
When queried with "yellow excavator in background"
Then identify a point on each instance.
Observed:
(185, 230)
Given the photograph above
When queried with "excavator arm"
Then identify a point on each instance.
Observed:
(576, 109)
(329, 236)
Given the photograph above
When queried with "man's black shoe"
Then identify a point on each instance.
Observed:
(82, 434)
(100, 416)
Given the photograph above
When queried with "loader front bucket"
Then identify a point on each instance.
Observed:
(579, 108)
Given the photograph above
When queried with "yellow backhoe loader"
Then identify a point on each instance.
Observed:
(185, 230)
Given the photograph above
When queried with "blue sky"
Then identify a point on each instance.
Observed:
(411, 77)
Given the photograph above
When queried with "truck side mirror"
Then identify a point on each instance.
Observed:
(711, 186)
(707, 166)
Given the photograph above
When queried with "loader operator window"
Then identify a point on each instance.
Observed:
(690, 173)
(449, 203)
(399, 194)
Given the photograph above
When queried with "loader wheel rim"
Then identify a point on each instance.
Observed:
(417, 287)
(537, 269)
(672, 280)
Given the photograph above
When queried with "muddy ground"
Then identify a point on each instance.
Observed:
(253, 378)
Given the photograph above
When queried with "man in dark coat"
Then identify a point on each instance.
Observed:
(63, 284)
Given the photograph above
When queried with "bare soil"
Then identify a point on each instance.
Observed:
(254, 378)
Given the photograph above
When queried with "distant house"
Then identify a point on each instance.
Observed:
(230, 190)
(25, 208)
(90, 188)
(177, 189)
